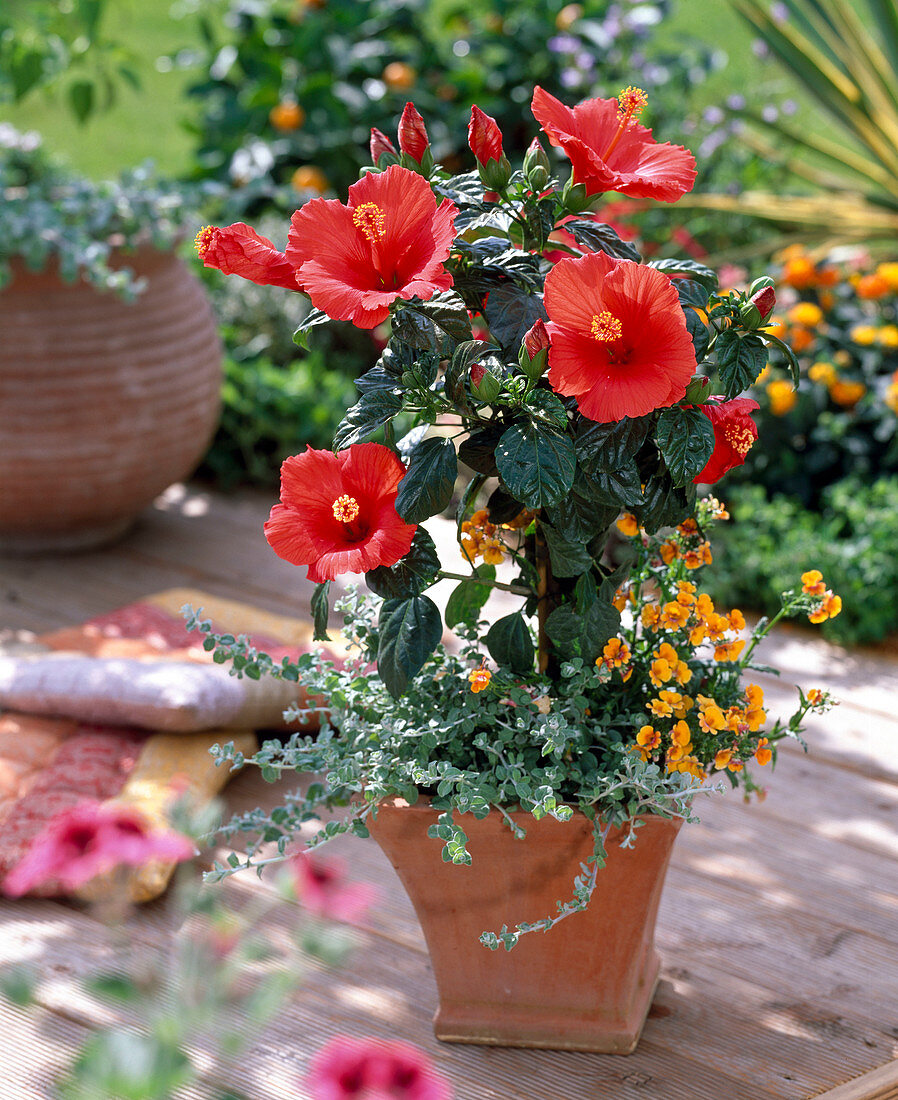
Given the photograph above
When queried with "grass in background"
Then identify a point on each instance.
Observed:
(147, 124)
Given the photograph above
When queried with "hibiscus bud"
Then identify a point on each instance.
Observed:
(414, 142)
(484, 384)
(485, 139)
(536, 166)
(381, 146)
(574, 197)
(535, 351)
(697, 390)
(763, 297)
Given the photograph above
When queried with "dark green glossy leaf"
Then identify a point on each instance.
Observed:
(689, 269)
(502, 507)
(583, 634)
(511, 312)
(569, 558)
(479, 450)
(409, 631)
(609, 445)
(578, 518)
(509, 643)
(740, 359)
(699, 333)
(411, 575)
(619, 487)
(691, 293)
(468, 598)
(601, 238)
(370, 412)
(427, 487)
(537, 465)
(315, 317)
(437, 325)
(321, 611)
(665, 503)
(546, 407)
(686, 440)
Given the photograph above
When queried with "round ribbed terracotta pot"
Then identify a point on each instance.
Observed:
(103, 403)
(586, 984)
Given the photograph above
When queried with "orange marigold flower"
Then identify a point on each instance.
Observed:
(674, 616)
(830, 606)
(737, 619)
(799, 272)
(616, 652)
(669, 552)
(815, 695)
(887, 336)
(712, 719)
(685, 593)
(865, 335)
(781, 395)
(697, 634)
(754, 695)
(872, 286)
(722, 758)
(651, 616)
(812, 583)
(822, 372)
(667, 652)
(479, 678)
(718, 627)
(682, 673)
(704, 606)
(805, 313)
(686, 528)
(729, 651)
(627, 525)
(736, 722)
(660, 672)
(701, 555)
(620, 599)
(648, 738)
(763, 755)
(846, 393)
(681, 735)
(660, 708)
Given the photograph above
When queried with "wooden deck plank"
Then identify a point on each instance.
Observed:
(879, 1084)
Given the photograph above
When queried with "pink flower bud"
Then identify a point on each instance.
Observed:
(765, 300)
(381, 144)
(536, 339)
(484, 136)
(477, 373)
(413, 139)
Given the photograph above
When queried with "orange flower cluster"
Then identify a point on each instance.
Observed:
(812, 584)
(697, 619)
(734, 730)
(479, 678)
(480, 538)
(616, 655)
(688, 545)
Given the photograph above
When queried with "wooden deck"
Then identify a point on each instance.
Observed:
(778, 929)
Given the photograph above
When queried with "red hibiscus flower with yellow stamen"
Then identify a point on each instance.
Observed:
(338, 511)
(239, 250)
(618, 337)
(389, 242)
(734, 434)
(610, 151)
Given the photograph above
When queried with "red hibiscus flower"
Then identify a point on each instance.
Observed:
(337, 512)
(88, 840)
(239, 250)
(611, 151)
(389, 242)
(350, 1069)
(734, 434)
(619, 342)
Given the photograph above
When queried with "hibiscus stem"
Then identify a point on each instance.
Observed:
(517, 589)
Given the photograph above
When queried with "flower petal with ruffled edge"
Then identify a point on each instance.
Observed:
(734, 434)
(648, 366)
(389, 242)
(637, 165)
(239, 250)
(304, 530)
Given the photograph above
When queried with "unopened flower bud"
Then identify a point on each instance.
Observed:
(484, 384)
(485, 139)
(698, 390)
(534, 352)
(381, 146)
(414, 142)
(764, 299)
(574, 197)
(536, 166)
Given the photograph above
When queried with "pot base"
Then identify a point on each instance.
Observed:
(47, 543)
(539, 1031)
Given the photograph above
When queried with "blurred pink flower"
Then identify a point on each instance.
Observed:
(85, 841)
(323, 888)
(364, 1069)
